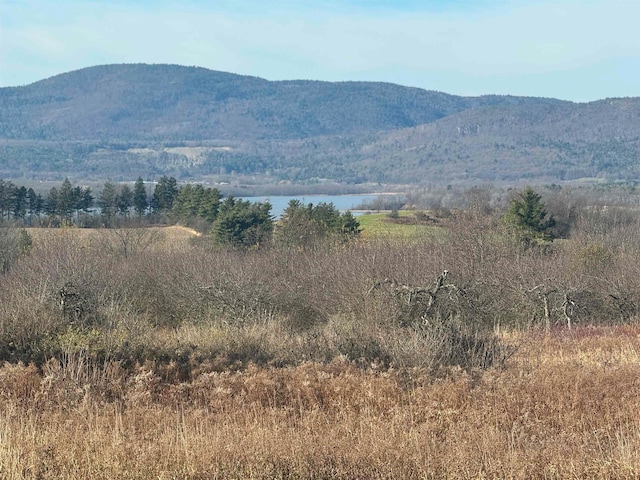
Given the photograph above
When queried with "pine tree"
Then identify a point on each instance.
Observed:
(20, 202)
(7, 194)
(140, 202)
(125, 200)
(51, 203)
(164, 194)
(527, 217)
(66, 202)
(306, 226)
(108, 202)
(241, 223)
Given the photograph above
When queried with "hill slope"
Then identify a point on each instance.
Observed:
(121, 121)
(166, 102)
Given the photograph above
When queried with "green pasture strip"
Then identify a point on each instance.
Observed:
(375, 225)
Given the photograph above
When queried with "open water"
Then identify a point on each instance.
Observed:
(341, 202)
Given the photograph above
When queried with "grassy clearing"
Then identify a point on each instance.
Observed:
(162, 237)
(377, 225)
(565, 406)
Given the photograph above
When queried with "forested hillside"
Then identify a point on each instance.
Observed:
(121, 121)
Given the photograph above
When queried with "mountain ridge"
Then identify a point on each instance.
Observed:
(109, 119)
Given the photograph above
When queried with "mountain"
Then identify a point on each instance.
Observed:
(121, 121)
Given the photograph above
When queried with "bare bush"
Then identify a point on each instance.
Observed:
(14, 243)
(283, 306)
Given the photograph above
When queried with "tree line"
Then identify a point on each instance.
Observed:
(63, 205)
(229, 220)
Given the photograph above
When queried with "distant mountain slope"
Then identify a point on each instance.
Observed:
(537, 143)
(152, 102)
(121, 121)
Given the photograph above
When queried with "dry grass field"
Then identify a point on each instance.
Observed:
(157, 237)
(565, 405)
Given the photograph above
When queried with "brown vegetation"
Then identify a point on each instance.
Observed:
(565, 406)
(131, 356)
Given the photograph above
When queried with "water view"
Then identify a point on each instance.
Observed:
(341, 202)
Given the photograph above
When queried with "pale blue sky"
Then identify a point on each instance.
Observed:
(577, 50)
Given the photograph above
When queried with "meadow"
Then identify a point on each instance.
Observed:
(407, 225)
(453, 352)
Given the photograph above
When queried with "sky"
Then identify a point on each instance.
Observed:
(578, 50)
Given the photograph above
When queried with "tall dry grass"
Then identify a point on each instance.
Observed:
(565, 406)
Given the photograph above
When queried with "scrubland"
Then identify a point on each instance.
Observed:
(456, 353)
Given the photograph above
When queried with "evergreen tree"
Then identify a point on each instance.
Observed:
(164, 194)
(76, 196)
(209, 204)
(295, 227)
(125, 200)
(241, 223)
(194, 201)
(185, 206)
(35, 203)
(20, 201)
(527, 218)
(310, 225)
(108, 202)
(66, 202)
(326, 216)
(82, 201)
(51, 203)
(140, 202)
(7, 195)
(350, 226)
(86, 200)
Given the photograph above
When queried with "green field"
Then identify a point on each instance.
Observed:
(375, 225)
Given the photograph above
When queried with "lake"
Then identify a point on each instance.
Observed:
(341, 202)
